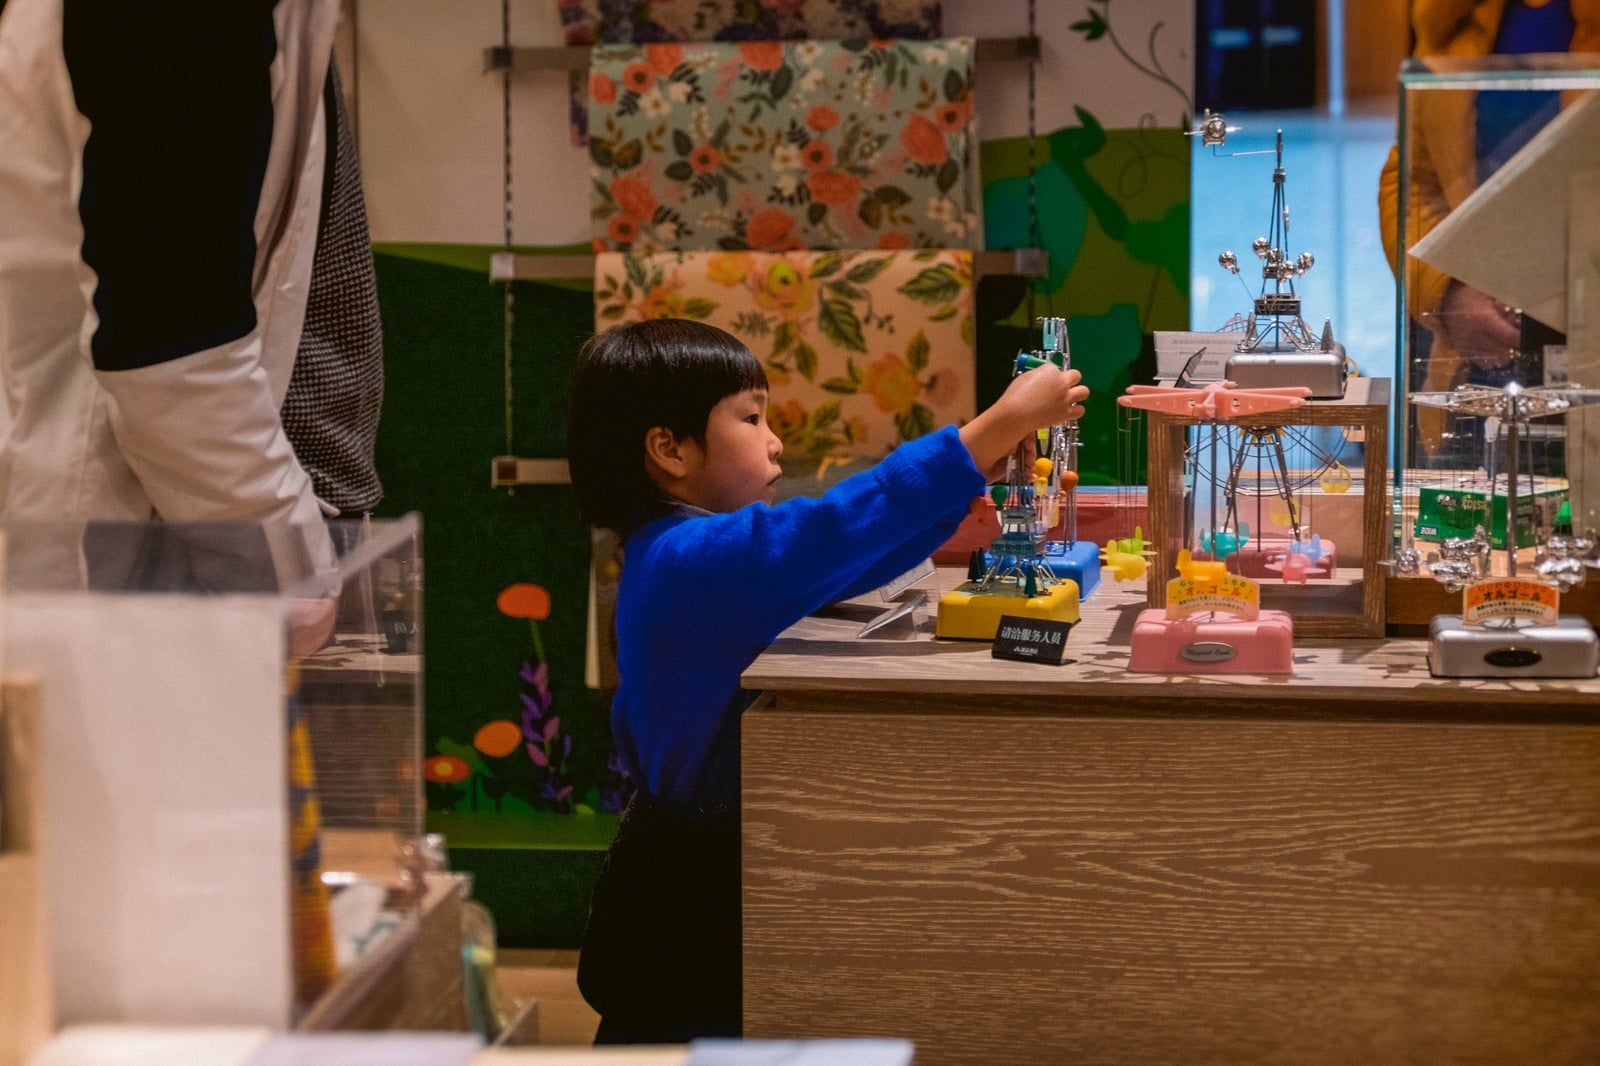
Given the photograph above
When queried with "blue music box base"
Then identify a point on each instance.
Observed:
(1078, 561)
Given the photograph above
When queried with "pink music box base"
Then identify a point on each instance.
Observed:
(1219, 645)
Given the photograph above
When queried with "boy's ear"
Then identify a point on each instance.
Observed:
(664, 453)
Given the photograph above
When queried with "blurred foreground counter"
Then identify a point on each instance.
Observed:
(1013, 862)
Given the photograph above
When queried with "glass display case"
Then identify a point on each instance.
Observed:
(1497, 472)
(230, 774)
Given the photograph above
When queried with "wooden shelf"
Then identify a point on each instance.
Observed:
(576, 57)
(509, 266)
(506, 471)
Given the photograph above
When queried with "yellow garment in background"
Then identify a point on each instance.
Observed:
(1443, 128)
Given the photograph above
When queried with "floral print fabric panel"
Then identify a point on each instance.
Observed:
(768, 146)
(587, 22)
(640, 21)
(863, 350)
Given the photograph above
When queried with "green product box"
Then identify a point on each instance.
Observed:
(1457, 508)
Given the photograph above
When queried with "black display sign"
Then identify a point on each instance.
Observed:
(1031, 640)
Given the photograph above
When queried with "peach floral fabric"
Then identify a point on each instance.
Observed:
(590, 22)
(774, 146)
(863, 350)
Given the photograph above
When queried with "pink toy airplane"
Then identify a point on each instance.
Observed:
(1217, 402)
(1300, 561)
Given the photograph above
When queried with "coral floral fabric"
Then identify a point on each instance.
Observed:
(863, 350)
(588, 22)
(774, 147)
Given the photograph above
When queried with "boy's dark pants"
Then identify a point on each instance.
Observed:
(661, 959)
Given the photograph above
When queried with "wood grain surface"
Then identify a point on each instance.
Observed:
(821, 653)
(1100, 888)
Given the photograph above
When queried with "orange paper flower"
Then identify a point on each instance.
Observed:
(633, 195)
(923, 142)
(524, 601)
(638, 77)
(623, 229)
(761, 55)
(834, 187)
(498, 739)
(664, 58)
(704, 159)
(891, 384)
(817, 155)
(952, 117)
(602, 90)
(822, 118)
(445, 769)
(768, 228)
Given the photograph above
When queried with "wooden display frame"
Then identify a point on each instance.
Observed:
(1365, 405)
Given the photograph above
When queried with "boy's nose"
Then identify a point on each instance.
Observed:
(774, 444)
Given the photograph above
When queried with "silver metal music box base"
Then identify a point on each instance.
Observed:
(1567, 649)
(1321, 372)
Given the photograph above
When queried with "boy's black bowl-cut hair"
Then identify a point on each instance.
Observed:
(630, 379)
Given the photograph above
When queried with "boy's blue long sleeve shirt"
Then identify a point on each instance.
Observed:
(702, 595)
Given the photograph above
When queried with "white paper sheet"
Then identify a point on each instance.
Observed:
(165, 837)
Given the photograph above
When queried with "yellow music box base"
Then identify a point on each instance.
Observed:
(968, 615)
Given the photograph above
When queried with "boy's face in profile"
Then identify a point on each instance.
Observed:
(738, 464)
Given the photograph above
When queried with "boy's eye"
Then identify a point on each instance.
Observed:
(754, 420)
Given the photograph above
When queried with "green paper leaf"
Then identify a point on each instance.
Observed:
(954, 87)
(917, 352)
(949, 174)
(782, 81)
(891, 196)
(844, 386)
(864, 272)
(947, 311)
(600, 152)
(1093, 28)
(935, 285)
(635, 268)
(826, 265)
(805, 360)
(681, 142)
(815, 212)
(839, 322)
(847, 290)
(968, 333)
(917, 422)
(679, 171)
(871, 212)
(784, 338)
(629, 154)
(698, 307)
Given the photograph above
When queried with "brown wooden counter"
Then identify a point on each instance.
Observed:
(1011, 862)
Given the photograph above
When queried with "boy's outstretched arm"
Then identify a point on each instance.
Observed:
(990, 439)
(761, 569)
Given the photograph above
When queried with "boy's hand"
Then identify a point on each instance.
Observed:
(1041, 397)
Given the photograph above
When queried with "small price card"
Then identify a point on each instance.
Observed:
(1230, 594)
(1510, 597)
(1031, 640)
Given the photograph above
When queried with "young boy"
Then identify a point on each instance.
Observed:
(670, 447)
